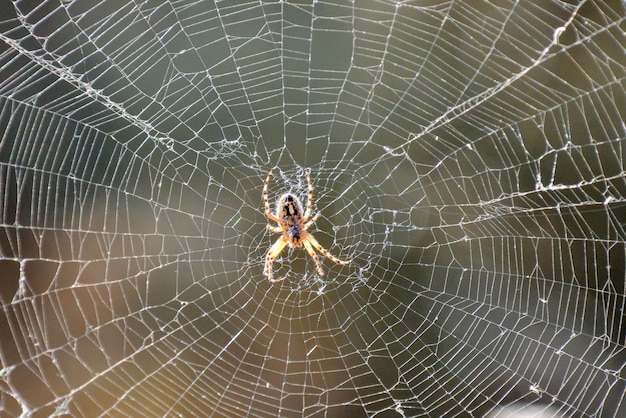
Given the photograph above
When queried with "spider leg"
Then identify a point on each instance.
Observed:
(269, 214)
(311, 222)
(271, 255)
(309, 238)
(273, 228)
(311, 252)
(309, 198)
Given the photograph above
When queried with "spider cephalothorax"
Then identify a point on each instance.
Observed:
(293, 224)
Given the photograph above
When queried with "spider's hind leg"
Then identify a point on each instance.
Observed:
(266, 202)
(309, 198)
(311, 222)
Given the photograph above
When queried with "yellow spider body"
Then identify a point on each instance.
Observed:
(293, 224)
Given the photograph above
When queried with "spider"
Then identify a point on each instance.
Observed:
(293, 225)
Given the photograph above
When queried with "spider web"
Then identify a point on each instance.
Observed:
(470, 157)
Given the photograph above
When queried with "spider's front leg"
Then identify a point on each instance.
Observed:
(314, 256)
(271, 255)
(310, 239)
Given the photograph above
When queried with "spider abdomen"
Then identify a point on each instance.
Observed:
(288, 206)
